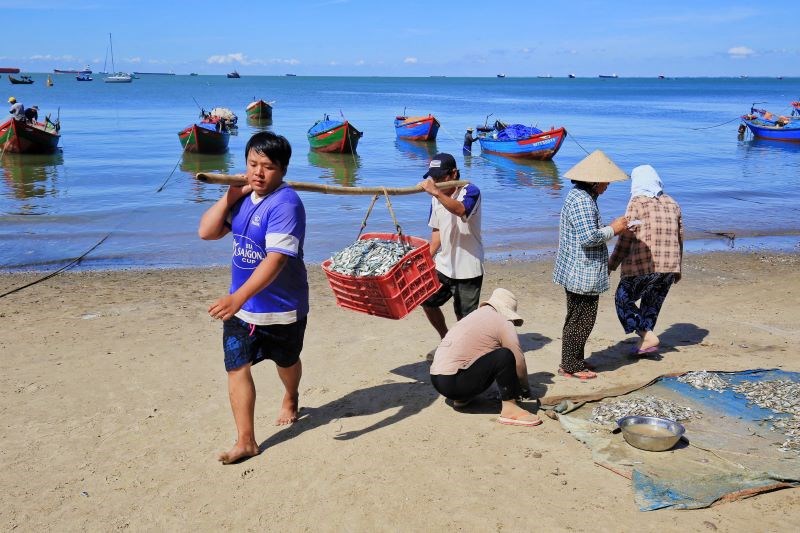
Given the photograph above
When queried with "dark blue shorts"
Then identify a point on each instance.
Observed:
(244, 343)
(466, 294)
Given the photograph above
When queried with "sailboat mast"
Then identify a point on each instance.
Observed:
(111, 45)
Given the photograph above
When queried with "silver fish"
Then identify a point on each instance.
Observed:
(608, 412)
(702, 379)
(781, 396)
(368, 257)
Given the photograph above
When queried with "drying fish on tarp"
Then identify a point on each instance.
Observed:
(608, 412)
(702, 379)
(781, 396)
(368, 257)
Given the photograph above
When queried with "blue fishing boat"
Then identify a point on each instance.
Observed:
(520, 141)
(337, 136)
(765, 125)
(416, 128)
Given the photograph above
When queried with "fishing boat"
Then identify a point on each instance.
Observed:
(765, 125)
(212, 134)
(233, 74)
(338, 136)
(501, 75)
(571, 76)
(116, 77)
(83, 77)
(22, 80)
(520, 141)
(19, 136)
(416, 128)
(259, 110)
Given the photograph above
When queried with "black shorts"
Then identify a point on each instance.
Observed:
(466, 294)
(247, 343)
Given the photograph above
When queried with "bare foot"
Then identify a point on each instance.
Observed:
(649, 340)
(238, 452)
(288, 413)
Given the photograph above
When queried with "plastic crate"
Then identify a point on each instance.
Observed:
(395, 294)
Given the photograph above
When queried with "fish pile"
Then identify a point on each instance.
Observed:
(781, 396)
(704, 380)
(368, 257)
(606, 413)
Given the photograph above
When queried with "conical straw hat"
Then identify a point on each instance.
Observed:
(596, 168)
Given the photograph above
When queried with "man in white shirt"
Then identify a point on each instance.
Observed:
(455, 221)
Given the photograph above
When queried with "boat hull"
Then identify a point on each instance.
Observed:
(416, 128)
(790, 132)
(341, 139)
(259, 110)
(199, 140)
(17, 81)
(542, 146)
(19, 137)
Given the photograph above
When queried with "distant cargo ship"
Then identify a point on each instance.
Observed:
(87, 70)
(9, 70)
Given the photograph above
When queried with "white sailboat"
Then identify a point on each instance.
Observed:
(116, 77)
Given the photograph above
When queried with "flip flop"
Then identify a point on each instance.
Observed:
(646, 351)
(581, 374)
(515, 422)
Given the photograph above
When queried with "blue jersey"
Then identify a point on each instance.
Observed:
(274, 223)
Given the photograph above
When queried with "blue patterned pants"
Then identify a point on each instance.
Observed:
(651, 289)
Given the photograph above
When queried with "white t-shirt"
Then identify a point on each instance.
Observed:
(461, 253)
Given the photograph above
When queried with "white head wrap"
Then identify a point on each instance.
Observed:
(645, 181)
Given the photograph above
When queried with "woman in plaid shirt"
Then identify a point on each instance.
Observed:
(650, 254)
(582, 260)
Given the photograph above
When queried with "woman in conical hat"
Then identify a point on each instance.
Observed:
(582, 261)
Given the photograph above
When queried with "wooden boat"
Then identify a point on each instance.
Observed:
(328, 135)
(205, 137)
(233, 74)
(22, 80)
(259, 110)
(416, 128)
(18, 136)
(764, 125)
(519, 141)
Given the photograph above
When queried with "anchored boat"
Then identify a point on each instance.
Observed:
(328, 135)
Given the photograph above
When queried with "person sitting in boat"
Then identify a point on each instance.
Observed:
(468, 140)
(17, 109)
(32, 114)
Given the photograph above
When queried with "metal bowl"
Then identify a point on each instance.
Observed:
(650, 433)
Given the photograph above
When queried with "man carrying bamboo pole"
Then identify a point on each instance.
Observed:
(455, 221)
(264, 316)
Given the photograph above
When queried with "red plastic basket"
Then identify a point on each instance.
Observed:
(395, 294)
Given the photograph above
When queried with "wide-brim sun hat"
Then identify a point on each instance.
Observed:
(11, 100)
(504, 302)
(596, 168)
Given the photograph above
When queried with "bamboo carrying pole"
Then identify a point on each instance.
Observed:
(239, 180)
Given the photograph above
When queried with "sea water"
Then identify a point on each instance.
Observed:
(120, 172)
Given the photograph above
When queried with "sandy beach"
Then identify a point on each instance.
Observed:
(114, 404)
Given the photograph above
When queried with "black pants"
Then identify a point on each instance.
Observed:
(498, 365)
(581, 316)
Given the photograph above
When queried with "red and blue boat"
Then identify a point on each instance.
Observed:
(21, 137)
(765, 125)
(520, 141)
(334, 136)
(416, 128)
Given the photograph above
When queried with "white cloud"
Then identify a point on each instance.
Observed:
(410, 61)
(48, 57)
(740, 52)
(360, 63)
(134, 60)
(224, 59)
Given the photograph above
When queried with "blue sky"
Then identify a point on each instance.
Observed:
(407, 38)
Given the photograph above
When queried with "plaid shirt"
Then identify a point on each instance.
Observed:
(656, 246)
(582, 260)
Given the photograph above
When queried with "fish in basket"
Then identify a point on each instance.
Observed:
(382, 274)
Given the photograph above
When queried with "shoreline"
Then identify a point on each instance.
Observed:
(114, 398)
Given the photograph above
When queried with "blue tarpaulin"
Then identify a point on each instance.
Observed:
(517, 131)
(732, 451)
